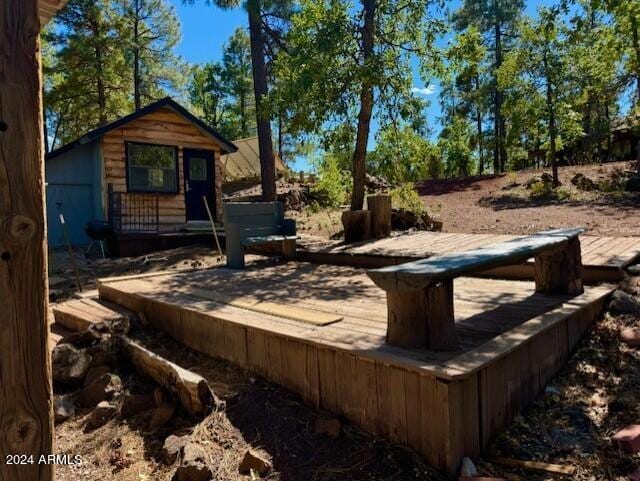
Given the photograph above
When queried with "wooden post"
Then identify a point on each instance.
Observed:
(422, 318)
(289, 249)
(25, 372)
(357, 225)
(560, 271)
(380, 208)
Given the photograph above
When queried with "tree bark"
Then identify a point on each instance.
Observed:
(136, 59)
(479, 125)
(636, 48)
(499, 152)
(552, 124)
(366, 108)
(265, 142)
(26, 416)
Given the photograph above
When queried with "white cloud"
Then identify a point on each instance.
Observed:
(428, 90)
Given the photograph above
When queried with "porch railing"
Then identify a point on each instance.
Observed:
(133, 212)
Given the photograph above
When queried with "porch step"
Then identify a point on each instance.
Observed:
(202, 226)
(77, 315)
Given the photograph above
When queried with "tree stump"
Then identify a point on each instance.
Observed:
(357, 225)
(380, 208)
(422, 318)
(560, 271)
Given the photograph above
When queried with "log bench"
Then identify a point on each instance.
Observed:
(420, 294)
(253, 223)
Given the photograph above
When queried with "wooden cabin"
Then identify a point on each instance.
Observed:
(145, 173)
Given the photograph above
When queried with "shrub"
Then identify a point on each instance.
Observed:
(332, 187)
(540, 190)
(405, 197)
(545, 190)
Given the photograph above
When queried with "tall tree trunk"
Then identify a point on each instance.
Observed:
(366, 108)
(243, 114)
(636, 48)
(552, 124)
(26, 398)
(136, 58)
(102, 96)
(479, 124)
(498, 150)
(265, 143)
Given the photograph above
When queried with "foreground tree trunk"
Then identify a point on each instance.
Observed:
(366, 108)
(265, 143)
(25, 373)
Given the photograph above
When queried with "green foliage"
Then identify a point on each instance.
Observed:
(404, 156)
(454, 143)
(222, 92)
(405, 197)
(331, 189)
(90, 56)
(545, 190)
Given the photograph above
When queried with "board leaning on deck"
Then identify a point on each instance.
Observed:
(444, 405)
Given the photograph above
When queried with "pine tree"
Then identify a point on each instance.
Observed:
(497, 20)
(151, 31)
(86, 86)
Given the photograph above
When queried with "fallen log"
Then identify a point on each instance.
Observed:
(191, 389)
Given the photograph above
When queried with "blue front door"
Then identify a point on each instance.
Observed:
(198, 183)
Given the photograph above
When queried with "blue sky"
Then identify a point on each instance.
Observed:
(205, 29)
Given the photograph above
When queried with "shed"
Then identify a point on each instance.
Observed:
(146, 172)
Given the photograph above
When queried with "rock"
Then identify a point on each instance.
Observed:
(100, 415)
(631, 337)
(101, 389)
(403, 220)
(133, 404)
(294, 199)
(63, 409)
(628, 439)
(376, 183)
(99, 356)
(583, 182)
(70, 365)
(632, 184)
(194, 464)
(547, 178)
(330, 427)
(161, 416)
(82, 339)
(468, 468)
(623, 303)
(94, 373)
(172, 447)
(254, 461)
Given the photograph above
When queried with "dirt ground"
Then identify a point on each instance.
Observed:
(502, 204)
(258, 415)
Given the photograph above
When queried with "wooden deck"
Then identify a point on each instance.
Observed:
(603, 258)
(443, 404)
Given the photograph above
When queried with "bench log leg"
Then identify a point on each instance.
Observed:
(289, 249)
(560, 272)
(422, 318)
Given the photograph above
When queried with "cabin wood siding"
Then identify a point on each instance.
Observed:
(164, 127)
